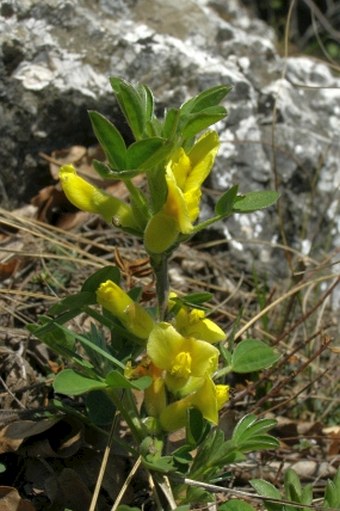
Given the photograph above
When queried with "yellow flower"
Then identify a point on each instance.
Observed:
(132, 315)
(87, 197)
(209, 399)
(181, 357)
(155, 396)
(193, 323)
(184, 175)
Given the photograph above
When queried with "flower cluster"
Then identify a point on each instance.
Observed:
(181, 358)
(179, 347)
(184, 175)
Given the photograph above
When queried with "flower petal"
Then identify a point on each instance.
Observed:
(155, 397)
(204, 357)
(89, 198)
(202, 157)
(164, 344)
(161, 232)
(173, 416)
(180, 165)
(132, 315)
(175, 205)
(207, 144)
(193, 323)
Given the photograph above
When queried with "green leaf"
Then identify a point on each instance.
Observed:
(197, 122)
(307, 494)
(74, 384)
(73, 303)
(214, 452)
(117, 380)
(250, 434)
(294, 490)
(292, 485)
(171, 123)
(266, 489)
(252, 355)
(158, 188)
(242, 426)
(92, 283)
(199, 495)
(236, 505)
(110, 139)
(48, 331)
(88, 343)
(207, 98)
(147, 100)
(332, 492)
(196, 298)
(195, 427)
(59, 339)
(259, 443)
(224, 205)
(248, 428)
(100, 408)
(106, 172)
(164, 464)
(142, 152)
(124, 507)
(182, 455)
(193, 300)
(131, 104)
(254, 201)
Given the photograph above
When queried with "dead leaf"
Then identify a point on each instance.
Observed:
(62, 438)
(48, 201)
(45, 438)
(9, 268)
(333, 432)
(76, 494)
(60, 157)
(10, 500)
(79, 156)
(10, 262)
(13, 435)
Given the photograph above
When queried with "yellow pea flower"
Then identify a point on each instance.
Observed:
(181, 357)
(132, 315)
(88, 197)
(193, 323)
(209, 399)
(184, 175)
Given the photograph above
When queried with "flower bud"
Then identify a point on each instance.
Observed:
(88, 197)
(132, 315)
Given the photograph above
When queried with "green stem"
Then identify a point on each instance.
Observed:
(127, 407)
(138, 203)
(222, 372)
(160, 267)
(203, 225)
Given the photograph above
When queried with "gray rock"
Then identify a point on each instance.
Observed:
(56, 57)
